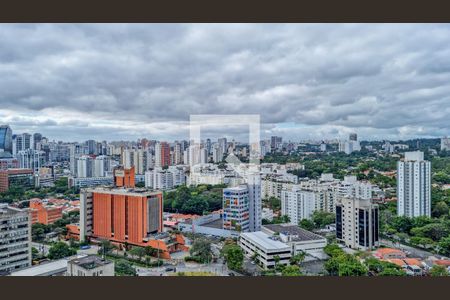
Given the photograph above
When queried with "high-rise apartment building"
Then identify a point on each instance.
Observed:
(208, 146)
(102, 165)
(236, 209)
(357, 223)
(85, 166)
(22, 142)
(15, 239)
(276, 142)
(162, 154)
(298, 204)
(37, 138)
(414, 185)
(177, 154)
(6, 138)
(253, 181)
(223, 145)
(31, 159)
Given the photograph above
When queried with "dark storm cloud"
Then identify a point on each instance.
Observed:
(115, 80)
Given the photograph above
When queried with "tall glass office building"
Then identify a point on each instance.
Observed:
(6, 138)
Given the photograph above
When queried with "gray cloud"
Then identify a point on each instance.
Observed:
(120, 81)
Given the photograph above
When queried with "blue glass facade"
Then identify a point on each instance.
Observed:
(6, 138)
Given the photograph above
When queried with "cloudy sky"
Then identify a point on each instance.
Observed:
(75, 82)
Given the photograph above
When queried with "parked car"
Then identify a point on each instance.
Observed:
(85, 247)
(171, 269)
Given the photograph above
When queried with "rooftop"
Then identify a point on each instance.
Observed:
(90, 262)
(264, 240)
(129, 191)
(294, 232)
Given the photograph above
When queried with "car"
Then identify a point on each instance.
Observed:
(170, 269)
(231, 274)
(85, 247)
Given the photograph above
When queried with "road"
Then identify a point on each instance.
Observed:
(216, 268)
(417, 253)
(43, 248)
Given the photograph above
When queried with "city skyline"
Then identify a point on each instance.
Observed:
(123, 82)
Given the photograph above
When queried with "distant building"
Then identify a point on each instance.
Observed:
(445, 144)
(7, 161)
(31, 159)
(6, 138)
(414, 186)
(357, 223)
(44, 214)
(15, 239)
(16, 177)
(90, 265)
(276, 142)
(85, 167)
(162, 154)
(90, 181)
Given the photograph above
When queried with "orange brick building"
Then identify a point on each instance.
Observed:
(125, 216)
(41, 213)
(124, 177)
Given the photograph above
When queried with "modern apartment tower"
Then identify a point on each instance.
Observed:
(255, 205)
(414, 186)
(236, 209)
(6, 138)
(15, 239)
(357, 223)
(162, 154)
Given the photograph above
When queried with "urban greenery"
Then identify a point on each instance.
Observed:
(60, 250)
(198, 200)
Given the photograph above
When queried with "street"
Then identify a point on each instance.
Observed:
(416, 253)
(219, 269)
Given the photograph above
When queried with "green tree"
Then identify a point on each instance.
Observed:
(138, 251)
(291, 271)
(106, 247)
(234, 256)
(124, 268)
(322, 218)
(60, 250)
(444, 246)
(437, 270)
(440, 209)
(201, 249)
(392, 272)
(306, 224)
(297, 258)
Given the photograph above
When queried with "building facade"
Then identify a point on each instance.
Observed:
(357, 223)
(90, 265)
(414, 186)
(15, 239)
(236, 208)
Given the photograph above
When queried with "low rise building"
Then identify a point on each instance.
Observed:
(211, 224)
(265, 249)
(44, 213)
(299, 239)
(90, 265)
